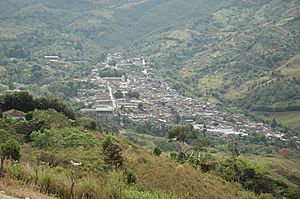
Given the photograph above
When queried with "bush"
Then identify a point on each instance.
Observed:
(112, 153)
(66, 138)
(157, 151)
(19, 172)
(130, 177)
(53, 180)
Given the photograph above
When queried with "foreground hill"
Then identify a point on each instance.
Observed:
(105, 167)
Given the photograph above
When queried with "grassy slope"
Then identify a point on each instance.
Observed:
(223, 50)
(161, 174)
(281, 168)
(291, 69)
(140, 139)
(290, 118)
(153, 173)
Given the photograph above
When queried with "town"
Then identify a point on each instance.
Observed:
(129, 89)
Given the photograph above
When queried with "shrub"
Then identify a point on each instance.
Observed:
(112, 153)
(157, 151)
(130, 177)
(66, 137)
(54, 181)
(21, 173)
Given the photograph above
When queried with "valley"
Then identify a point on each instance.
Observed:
(156, 102)
(153, 99)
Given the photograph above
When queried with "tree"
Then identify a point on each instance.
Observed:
(4, 136)
(177, 118)
(112, 153)
(22, 101)
(141, 106)
(274, 124)
(17, 51)
(233, 149)
(181, 133)
(88, 123)
(43, 103)
(157, 151)
(112, 63)
(201, 144)
(9, 150)
(37, 74)
(178, 133)
(133, 94)
(118, 94)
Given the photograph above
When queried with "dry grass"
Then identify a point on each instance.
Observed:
(290, 119)
(18, 190)
(162, 174)
(292, 67)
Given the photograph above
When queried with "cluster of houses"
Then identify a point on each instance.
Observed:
(158, 103)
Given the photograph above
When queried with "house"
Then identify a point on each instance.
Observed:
(14, 114)
(100, 111)
(51, 57)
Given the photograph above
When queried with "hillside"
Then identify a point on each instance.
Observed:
(51, 151)
(228, 50)
(234, 62)
(43, 150)
(240, 55)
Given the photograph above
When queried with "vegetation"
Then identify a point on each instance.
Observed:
(239, 54)
(68, 158)
(118, 94)
(23, 101)
(108, 72)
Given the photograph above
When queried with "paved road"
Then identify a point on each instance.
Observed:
(111, 96)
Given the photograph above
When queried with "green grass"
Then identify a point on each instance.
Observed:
(280, 168)
(292, 68)
(147, 141)
(289, 119)
(210, 82)
(155, 175)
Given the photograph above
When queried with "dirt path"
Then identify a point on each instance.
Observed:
(15, 191)
(3, 196)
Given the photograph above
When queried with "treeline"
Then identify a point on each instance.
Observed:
(266, 95)
(265, 108)
(23, 101)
